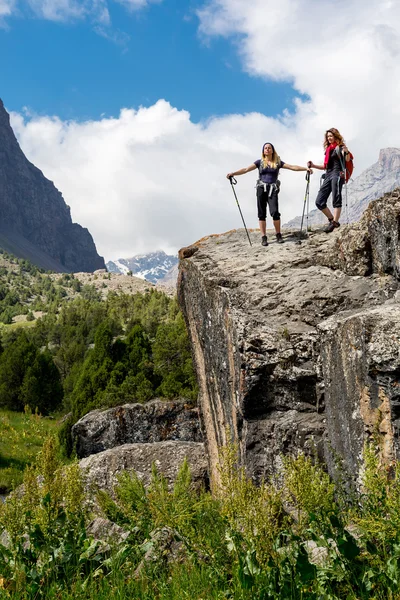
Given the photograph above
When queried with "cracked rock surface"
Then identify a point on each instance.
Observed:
(273, 332)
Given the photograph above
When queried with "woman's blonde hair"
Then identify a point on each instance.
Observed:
(335, 132)
(275, 160)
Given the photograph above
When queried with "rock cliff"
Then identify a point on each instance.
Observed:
(297, 346)
(35, 222)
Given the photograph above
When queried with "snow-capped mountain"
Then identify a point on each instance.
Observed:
(152, 266)
(374, 182)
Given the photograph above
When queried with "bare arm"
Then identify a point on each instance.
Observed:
(296, 168)
(347, 154)
(314, 166)
(252, 167)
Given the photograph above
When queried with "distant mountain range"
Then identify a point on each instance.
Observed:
(35, 221)
(374, 182)
(153, 266)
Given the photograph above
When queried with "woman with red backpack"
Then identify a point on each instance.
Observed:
(338, 167)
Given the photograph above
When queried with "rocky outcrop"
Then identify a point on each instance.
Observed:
(35, 222)
(380, 178)
(361, 358)
(102, 469)
(155, 421)
(289, 341)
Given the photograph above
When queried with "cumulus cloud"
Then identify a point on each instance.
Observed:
(344, 55)
(152, 178)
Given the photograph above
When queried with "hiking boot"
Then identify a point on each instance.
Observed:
(279, 238)
(332, 225)
(264, 240)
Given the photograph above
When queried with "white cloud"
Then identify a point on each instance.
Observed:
(152, 178)
(97, 11)
(137, 4)
(6, 9)
(59, 10)
(344, 55)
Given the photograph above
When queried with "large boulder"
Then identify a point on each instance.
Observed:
(155, 421)
(102, 469)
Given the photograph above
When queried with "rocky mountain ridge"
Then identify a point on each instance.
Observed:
(380, 178)
(296, 346)
(153, 266)
(35, 222)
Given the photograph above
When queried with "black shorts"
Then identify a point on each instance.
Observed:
(269, 197)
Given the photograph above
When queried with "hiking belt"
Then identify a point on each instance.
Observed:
(268, 187)
(272, 186)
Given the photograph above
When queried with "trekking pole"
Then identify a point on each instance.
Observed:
(308, 197)
(234, 182)
(306, 201)
(344, 171)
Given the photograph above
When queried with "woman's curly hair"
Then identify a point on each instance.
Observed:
(338, 137)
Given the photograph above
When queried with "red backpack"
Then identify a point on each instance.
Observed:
(347, 165)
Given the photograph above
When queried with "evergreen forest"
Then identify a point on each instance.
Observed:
(78, 348)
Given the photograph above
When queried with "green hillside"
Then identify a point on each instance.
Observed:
(72, 343)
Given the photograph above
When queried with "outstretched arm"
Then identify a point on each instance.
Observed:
(297, 168)
(242, 171)
(314, 166)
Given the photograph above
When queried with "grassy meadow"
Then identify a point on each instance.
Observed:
(21, 437)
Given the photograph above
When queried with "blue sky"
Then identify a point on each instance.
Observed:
(137, 109)
(70, 70)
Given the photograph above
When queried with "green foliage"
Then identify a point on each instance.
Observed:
(45, 526)
(123, 349)
(238, 544)
(378, 513)
(28, 377)
(308, 488)
(173, 361)
(22, 436)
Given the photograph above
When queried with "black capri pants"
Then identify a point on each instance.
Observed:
(333, 183)
(267, 196)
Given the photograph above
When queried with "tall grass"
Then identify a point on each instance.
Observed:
(21, 437)
(293, 541)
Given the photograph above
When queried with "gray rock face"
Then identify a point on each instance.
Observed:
(379, 179)
(102, 469)
(361, 358)
(156, 421)
(35, 222)
(267, 332)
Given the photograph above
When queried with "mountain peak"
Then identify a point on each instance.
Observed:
(152, 266)
(389, 158)
(35, 221)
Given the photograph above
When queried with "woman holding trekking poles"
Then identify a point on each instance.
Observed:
(268, 188)
(338, 166)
